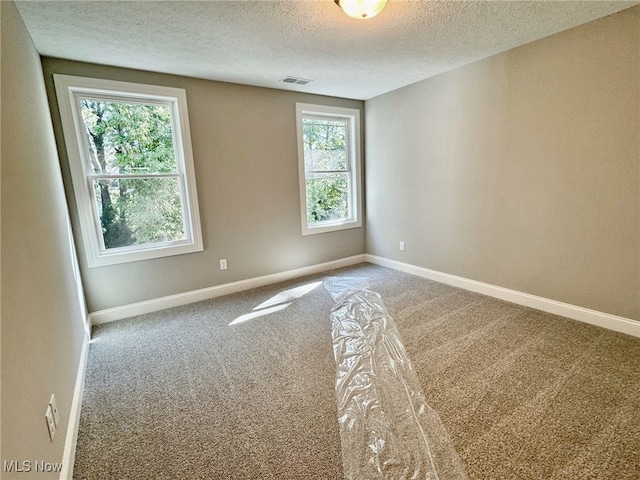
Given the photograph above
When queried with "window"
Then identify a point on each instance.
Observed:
(329, 168)
(131, 164)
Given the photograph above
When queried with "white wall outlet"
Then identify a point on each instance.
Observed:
(402, 246)
(223, 264)
(54, 408)
(51, 423)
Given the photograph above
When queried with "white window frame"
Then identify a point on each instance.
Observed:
(69, 90)
(352, 118)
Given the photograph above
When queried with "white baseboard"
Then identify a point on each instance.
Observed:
(593, 317)
(126, 311)
(69, 454)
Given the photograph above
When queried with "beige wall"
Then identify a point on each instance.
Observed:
(244, 146)
(42, 328)
(521, 170)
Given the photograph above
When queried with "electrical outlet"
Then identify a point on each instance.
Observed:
(54, 409)
(51, 423)
(223, 264)
(402, 246)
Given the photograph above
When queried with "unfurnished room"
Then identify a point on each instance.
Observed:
(320, 239)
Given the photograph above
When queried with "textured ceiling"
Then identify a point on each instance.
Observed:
(260, 42)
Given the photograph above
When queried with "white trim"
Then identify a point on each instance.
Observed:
(69, 91)
(593, 317)
(354, 139)
(69, 454)
(126, 311)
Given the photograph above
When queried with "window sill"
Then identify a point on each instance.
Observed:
(330, 227)
(118, 257)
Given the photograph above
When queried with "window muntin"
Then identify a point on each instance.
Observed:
(328, 145)
(132, 169)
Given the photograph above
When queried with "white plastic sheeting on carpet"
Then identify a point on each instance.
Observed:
(387, 429)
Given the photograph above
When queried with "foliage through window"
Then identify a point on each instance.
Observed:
(328, 144)
(130, 158)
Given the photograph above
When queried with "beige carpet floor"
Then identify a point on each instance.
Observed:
(182, 394)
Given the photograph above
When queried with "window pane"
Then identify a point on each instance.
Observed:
(325, 146)
(139, 211)
(128, 138)
(327, 197)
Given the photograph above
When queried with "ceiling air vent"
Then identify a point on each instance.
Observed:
(296, 80)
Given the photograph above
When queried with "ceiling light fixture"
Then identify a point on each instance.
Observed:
(361, 9)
